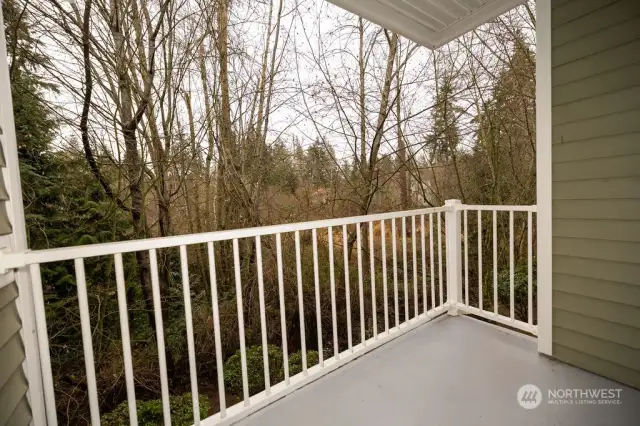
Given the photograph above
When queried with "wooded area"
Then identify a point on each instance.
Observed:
(151, 118)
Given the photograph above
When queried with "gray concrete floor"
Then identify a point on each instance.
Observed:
(454, 371)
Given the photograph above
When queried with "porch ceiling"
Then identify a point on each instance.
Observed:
(430, 23)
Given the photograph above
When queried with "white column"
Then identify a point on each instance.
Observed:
(17, 241)
(543, 173)
(454, 254)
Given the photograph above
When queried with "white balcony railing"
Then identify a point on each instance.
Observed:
(405, 302)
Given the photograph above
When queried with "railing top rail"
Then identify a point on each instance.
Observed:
(16, 260)
(500, 208)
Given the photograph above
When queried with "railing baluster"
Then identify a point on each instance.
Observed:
(360, 284)
(243, 349)
(395, 271)
(332, 280)
(347, 289)
(283, 317)
(216, 328)
(511, 271)
(43, 345)
(432, 263)
(303, 341)
(466, 261)
(126, 339)
(162, 360)
(440, 258)
(316, 285)
(121, 287)
(186, 293)
(424, 266)
(405, 270)
(415, 266)
(530, 267)
(385, 291)
(480, 295)
(372, 269)
(495, 262)
(263, 318)
(87, 344)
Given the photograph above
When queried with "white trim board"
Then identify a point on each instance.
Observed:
(18, 242)
(543, 174)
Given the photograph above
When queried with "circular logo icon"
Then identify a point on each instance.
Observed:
(529, 396)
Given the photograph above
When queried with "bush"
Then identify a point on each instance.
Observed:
(150, 412)
(520, 289)
(255, 370)
(295, 361)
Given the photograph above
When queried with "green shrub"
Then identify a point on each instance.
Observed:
(295, 361)
(150, 412)
(255, 370)
(520, 289)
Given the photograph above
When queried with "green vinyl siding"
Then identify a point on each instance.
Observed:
(628, 273)
(611, 36)
(604, 330)
(596, 186)
(613, 210)
(602, 366)
(606, 167)
(613, 102)
(592, 65)
(608, 14)
(621, 144)
(602, 126)
(611, 230)
(600, 84)
(567, 11)
(14, 408)
(21, 415)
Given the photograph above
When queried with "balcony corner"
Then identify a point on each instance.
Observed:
(453, 254)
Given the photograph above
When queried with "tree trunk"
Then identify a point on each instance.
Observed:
(133, 165)
(402, 147)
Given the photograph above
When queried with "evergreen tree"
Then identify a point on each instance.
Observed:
(505, 150)
(281, 171)
(444, 137)
(35, 124)
(319, 164)
(63, 205)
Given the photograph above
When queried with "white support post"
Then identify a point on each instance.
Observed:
(543, 174)
(454, 254)
(16, 242)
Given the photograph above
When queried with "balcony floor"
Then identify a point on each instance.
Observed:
(452, 371)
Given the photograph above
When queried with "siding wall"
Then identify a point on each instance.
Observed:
(596, 186)
(14, 407)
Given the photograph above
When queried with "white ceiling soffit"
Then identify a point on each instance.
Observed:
(430, 23)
